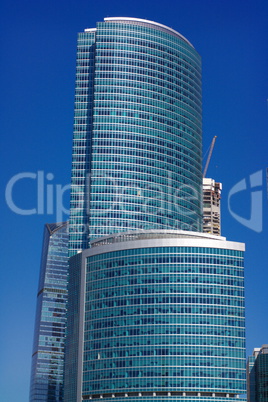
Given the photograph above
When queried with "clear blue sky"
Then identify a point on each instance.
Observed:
(38, 49)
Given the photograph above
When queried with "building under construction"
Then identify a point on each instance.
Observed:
(211, 206)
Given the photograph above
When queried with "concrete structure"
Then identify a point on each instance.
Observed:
(50, 324)
(211, 206)
(257, 375)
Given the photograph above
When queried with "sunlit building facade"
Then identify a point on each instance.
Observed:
(50, 324)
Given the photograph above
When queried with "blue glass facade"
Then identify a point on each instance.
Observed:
(163, 318)
(48, 347)
(137, 132)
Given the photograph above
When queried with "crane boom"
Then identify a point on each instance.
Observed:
(209, 155)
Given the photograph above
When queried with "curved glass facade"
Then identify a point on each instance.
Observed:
(137, 134)
(164, 317)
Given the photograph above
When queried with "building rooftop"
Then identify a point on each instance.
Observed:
(263, 350)
(152, 234)
(142, 22)
(53, 227)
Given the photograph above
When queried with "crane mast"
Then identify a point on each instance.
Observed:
(209, 155)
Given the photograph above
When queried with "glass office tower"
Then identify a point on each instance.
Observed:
(50, 323)
(162, 319)
(137, 131)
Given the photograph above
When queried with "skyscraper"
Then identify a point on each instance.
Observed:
(50, 323)
(155, 307)
(137, 144)
(257, 375)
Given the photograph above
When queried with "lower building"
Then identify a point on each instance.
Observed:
(156, 315)
(257, 375)
(50, 323)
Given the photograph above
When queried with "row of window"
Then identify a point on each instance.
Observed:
(176, 159)
(180, 320)
(176, 265)
(235, 284)
(182, 140)
(165, 330)
(143, 30)
(103, 227)
(156, 100)
(124, 63)
(162, 41)
(151, 358)
(132, 259)
(148, 347)
(169, 251)
(167, 126)
(139, 39)
(121, 51)
(186, 95)
(173, 309)
(152, 113)
(166, 300)
(129, 88)
(162, 289)
(232, 385)
(138, 74)
(165, 371)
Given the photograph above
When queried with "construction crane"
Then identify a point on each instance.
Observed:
(209, 155)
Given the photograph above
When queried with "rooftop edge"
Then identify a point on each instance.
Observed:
(153, 23)
(119, 236)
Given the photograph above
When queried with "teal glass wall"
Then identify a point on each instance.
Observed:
(257, 375)
(137, 139)
(73, 341)
(81, 153)
(262, 377)
(164, 322)
(49, 335)
(251, 379)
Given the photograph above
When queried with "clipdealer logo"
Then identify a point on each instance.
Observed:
(255, 207)
(48, 196)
